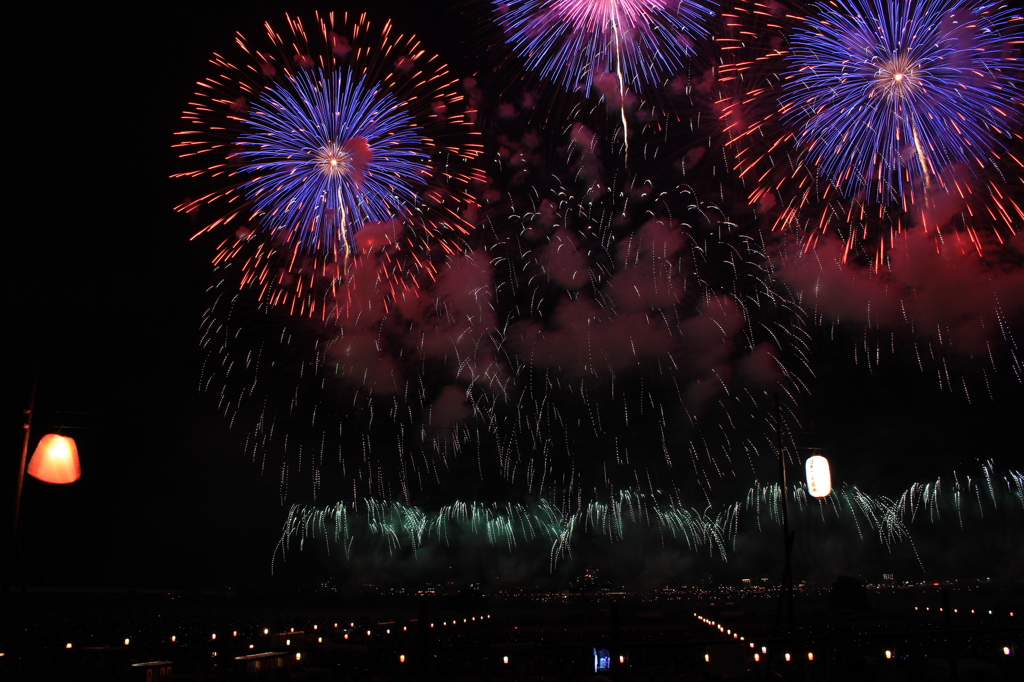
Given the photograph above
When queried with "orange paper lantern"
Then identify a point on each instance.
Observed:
(55, 460)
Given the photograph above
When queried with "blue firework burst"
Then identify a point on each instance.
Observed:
(327, 152)
(300, 140)
(889, 93)
(574, 42)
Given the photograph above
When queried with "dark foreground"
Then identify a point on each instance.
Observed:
(966, 632)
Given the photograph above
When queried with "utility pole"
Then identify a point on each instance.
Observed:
(786, 590)
(14, 548)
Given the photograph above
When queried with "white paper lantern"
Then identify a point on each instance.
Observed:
(819, 478)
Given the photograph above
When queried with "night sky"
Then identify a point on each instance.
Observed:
(108, 296)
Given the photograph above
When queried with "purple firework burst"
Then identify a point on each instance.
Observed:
(889, 93)
(328, 152)
(576, 42)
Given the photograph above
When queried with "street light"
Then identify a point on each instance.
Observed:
(55, 460)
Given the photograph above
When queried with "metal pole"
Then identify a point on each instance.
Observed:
(15, 546)
(27, 426)
(786, 593)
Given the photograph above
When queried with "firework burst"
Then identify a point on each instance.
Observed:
(328, 131)
(957, 502)
(327, 154)
(583, 44)
(595, 332)
(760, 117)
(889, 93)
(584, 345)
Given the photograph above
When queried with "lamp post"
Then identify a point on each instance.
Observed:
(55, 460)
(786, 594)
(27, 427)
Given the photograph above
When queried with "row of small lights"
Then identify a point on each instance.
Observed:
(735, 635)
(1007, 651)
(288, 642)
(757, 655)
(445, 623)
(942, 609)
(464, 620)
(721, 628)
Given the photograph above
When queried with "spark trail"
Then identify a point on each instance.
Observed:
(350, 528)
